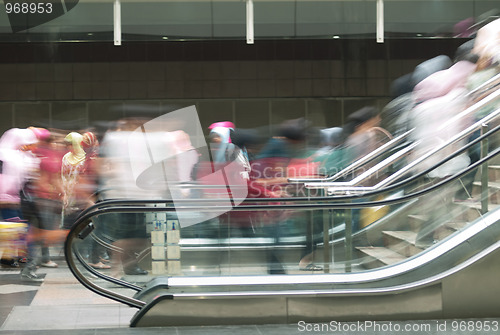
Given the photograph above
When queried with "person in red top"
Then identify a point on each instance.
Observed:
(41, 202)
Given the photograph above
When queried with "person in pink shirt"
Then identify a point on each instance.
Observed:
(16, 163)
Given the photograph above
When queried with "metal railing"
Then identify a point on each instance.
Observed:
(487, 85)
(83, 222)
(351, 186)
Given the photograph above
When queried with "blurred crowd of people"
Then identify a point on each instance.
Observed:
(48, 176)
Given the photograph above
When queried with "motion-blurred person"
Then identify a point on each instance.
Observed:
(41, 201)
(332, 154)
(439, 98)
(76, 196)
(221, 147)
(269, 176)
(16, 164)
(364, 135)
(88, 185)
(430, 66)
(487, 44)
(474, 80)
(395, 116)
(226, 165)
(127, 231)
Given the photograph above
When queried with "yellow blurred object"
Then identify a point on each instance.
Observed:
(12, 238)
(372, 214)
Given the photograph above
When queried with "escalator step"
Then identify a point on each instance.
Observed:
(382, 255)
(402, 242)
(457, 225)
(408, 236)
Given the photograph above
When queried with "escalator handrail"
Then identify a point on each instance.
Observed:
(392, 143)
(403, 171)
(358, 163)
(279, 205)
(91, 285)
(368, 173)
(313, 279)
(465, 133)
(487, 85)
(84, 220)
(347, 278)
(415, 262)
(370, 192)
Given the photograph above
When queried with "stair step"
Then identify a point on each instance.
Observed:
(382, 255)
(495, 185)
(407, 236)
(493, 188)
(416, 221)
(494, 172)
(473, 209)
(456, 225)
(418, 217)
(448, 228)
(402, 242)
(476, 205)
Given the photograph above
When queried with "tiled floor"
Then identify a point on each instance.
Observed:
(61, 305)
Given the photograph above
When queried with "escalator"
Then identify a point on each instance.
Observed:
(419, 253)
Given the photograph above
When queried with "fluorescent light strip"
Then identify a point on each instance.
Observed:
(117, 18)
(380, 21)
(250, 35)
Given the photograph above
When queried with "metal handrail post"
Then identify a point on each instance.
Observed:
(348, 239)
(484, 172)
(326, 240)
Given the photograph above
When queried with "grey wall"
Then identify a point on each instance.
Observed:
(73, 85)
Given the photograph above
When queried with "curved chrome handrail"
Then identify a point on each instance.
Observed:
(321, 292)
(351, 278)
(83, 221)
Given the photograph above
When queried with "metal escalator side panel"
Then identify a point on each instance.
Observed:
(166, 310)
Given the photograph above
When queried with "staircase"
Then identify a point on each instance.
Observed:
(400, 245)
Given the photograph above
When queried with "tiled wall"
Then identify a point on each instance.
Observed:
(196, 80)
(246, 113)
(77, 84)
